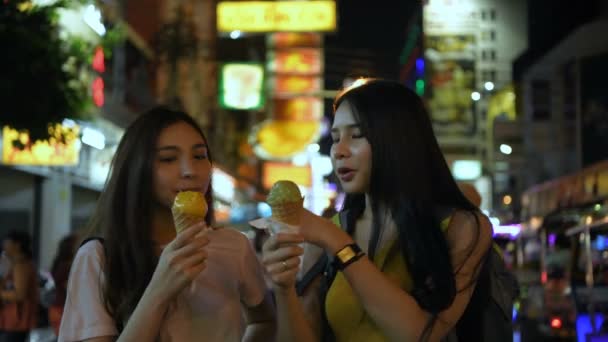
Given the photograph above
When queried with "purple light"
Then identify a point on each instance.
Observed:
(551, 239)
(512, 229)
(325, 127)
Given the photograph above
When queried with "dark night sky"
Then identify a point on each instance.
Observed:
(370, 37)
(549, 21)
(368, 42)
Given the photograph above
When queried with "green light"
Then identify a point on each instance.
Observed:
(420, 87)
(598, 207)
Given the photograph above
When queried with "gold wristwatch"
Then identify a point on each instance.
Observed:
(347, 255)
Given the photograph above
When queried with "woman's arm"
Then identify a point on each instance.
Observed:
(22, 276)
(179, 265)
(397, 313)
(149, 313)
(85, 316)
(261, 323)
(282, 261)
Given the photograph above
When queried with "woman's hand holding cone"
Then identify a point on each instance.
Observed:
(180, 263)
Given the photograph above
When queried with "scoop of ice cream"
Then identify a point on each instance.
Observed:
(284, 191)
(189, 207)
(285, 201)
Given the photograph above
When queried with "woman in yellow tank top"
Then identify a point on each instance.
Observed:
(410, 246)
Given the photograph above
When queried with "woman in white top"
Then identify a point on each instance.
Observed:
(141, 282)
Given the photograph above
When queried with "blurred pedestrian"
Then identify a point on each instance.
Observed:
(60, 270)
(330, 211)
(20, 292)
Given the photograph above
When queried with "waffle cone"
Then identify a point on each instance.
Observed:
(287, 212)
(183, 221)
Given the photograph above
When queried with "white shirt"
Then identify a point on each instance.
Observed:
(208, 310)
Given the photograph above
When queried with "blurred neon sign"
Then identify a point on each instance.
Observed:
(241, 86)
(273, 172)
(98, 85)
(513, 230)
(276, 16)
(302, 61)
(60, 148)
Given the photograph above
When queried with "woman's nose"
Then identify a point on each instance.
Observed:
(187, 168)
(340, 150)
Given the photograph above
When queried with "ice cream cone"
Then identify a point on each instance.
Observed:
(288, 212)
(189, 208)
(183, 221)
(286, 202)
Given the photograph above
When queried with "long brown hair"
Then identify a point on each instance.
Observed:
(124, 212)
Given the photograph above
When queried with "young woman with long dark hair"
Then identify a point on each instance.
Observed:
(144, 283)
(411, 246)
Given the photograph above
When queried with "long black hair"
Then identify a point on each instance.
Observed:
(125, 209)
(23, 240)
(411, 180)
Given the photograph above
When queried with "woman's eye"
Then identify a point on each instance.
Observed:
(200, 156)
(167, 159)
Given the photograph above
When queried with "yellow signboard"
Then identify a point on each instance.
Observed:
(61, 148)
(273, 16)
(273, 172)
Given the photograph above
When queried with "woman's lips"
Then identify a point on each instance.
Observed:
(346, 174)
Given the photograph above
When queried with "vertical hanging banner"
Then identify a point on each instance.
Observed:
(295, 69)
(450, 31)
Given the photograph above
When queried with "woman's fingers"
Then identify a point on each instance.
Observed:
(283, 266)
(190, 248)
(197, 269)
(285, 277)
(194, 261)
(276, 240)
(185, 236)
(281, 254)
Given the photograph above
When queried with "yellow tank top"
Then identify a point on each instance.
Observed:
(345, 314)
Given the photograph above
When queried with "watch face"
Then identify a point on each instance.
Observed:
(346, 254)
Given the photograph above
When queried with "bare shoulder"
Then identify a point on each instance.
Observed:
(25, 268)
(229, 238)
(92, 248)
(469, 234)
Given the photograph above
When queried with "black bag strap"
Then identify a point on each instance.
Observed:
(92, 238)
(317, 269)
(323, 265)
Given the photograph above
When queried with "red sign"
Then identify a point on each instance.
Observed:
(290, 39)
(99, 64)
(296, 61)
(98, 92)
(289, 85)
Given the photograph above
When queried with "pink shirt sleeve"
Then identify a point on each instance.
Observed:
(85, 315)
(252, 285)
